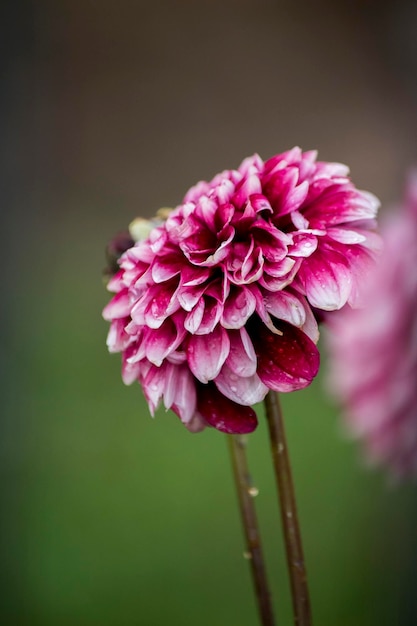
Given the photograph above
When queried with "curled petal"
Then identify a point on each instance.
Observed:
(188, 297)
(304, 244)
(242, 357)
(211, 316)
(287, 362)
(194, 317)
(326, 280)
(117, 338)
(238, 307)
(130, 371)
(248, 186)
(153, 384)
(118, 307)
(224, 414)
(244, 390)
(161, 302)
(166, 267)
(180, 393)
(160, 342)
(286, 306)
(206, 354)
(116, 282)
(343, 235)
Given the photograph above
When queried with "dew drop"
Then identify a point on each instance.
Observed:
(247, 555)
(253, 492)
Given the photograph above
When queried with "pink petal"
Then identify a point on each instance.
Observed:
(244, 390)
(343, 235)
(295, 198)
(194, 317)
(238, 307)
(326, 279)
(248, 186)
(224, 414)
(118, 307)
(166, 266)
(258, 202)
(206, 354)
(211, 316)
(285, 306)
(161, 341)
(242, 357)
(188, 297)
(245, 263)
(339, 203)
(191, 275)
(161, 303)
(130, 371)
(310, 326)
(116, 282)
(274, 243)
(153, 385)
(287, 362)
(117, 338)
(304, 244)
(180, 392)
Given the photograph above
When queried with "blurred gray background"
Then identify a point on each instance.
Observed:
(110, 110)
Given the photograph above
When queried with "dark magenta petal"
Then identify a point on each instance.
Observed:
(286, 362)
(224, 414)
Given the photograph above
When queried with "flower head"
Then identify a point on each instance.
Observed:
(215, 306)
(373, 350)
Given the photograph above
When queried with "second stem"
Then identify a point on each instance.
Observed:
(286, 494)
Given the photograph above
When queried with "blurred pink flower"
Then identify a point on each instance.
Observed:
(214, 307)
(373, 350)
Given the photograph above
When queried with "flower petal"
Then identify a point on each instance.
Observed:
(206, 354)
(285, 306)
(326, 279)
(246, 390)
(287, 362)
(118, 307)
(242, 357)
(238, 307)
(159, 342)
(224, 414)
(153, 385)
(180, 392)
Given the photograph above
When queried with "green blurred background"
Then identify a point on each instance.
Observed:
(111, 110)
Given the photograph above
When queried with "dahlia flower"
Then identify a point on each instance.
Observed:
(215, 307)
(373, 350)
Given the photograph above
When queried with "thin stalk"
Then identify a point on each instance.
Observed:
(246, 492)
(291, 529)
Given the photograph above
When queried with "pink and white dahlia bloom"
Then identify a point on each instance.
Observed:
(215, 307)
(373, 350)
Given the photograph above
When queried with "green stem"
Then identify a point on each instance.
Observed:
(291, 529)
(246, 493)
